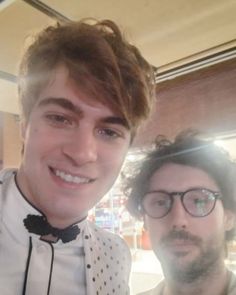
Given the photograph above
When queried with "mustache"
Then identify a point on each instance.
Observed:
(180, 235)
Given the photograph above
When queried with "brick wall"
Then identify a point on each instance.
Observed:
(205, 99)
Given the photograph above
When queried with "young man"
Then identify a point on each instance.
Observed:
(185, 192)
(84, 91)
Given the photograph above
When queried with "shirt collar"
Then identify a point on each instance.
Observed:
(16, 208)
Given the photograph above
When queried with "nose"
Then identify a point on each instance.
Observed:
(81, 148)
(178, 215)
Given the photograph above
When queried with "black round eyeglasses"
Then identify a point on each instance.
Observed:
(198, 202)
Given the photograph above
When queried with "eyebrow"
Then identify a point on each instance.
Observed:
(181, 192)
(116, 121)
(68, 105)
(62, 102)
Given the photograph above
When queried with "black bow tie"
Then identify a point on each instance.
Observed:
(39, 225)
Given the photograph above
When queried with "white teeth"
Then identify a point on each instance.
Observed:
(70, 178)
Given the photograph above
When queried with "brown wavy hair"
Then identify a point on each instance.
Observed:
(100, 60)
(190, 149)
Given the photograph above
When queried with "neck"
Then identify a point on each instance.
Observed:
(61, 223)
(213, 283)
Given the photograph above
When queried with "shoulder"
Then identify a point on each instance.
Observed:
(108, 238)
(6, 174)
(232, 284)
(105, 234)
(5, 180)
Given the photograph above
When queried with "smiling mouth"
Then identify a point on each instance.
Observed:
(69, 178)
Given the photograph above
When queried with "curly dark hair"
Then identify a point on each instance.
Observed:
(189, 149)
(100, 60)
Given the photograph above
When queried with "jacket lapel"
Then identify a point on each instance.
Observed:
(107, 262)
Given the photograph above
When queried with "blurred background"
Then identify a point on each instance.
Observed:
(192, 45)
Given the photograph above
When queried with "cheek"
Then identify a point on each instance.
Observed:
(112, 159)
(229, 220)
(210, 226)
(156, 230)
(217, 218)
(31, 138)
(36, 144)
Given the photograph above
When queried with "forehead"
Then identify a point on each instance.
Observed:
(61, 86)
(63, 92)
(176, 177)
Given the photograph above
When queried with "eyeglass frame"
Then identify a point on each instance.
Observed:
(217, 196)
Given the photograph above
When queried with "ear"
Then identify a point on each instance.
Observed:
(230, 220)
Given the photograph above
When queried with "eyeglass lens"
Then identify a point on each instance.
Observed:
(197, 202)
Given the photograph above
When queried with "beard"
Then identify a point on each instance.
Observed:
(180, 266)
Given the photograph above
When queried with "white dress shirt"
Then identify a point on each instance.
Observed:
(96, 262)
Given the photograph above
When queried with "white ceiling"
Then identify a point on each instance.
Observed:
(168, 33)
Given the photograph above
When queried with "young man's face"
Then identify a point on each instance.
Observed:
(185, 245)
(74, 148)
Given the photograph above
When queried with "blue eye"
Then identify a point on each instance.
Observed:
(108, 133)
(58, 120)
